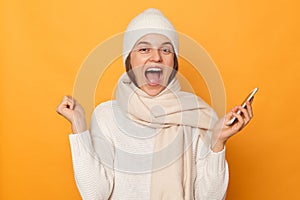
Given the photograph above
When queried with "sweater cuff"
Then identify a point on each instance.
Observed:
(216, 162)
(81, 143)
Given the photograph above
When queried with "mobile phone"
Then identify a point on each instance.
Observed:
(244, 105)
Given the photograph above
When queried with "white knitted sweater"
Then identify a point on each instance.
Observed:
(113, 160)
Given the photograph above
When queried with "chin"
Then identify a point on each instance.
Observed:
(152, 90)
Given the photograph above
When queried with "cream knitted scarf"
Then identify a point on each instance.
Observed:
(173, 113)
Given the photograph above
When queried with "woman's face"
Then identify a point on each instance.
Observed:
(152, 62)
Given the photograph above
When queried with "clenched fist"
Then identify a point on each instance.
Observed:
(70, 109)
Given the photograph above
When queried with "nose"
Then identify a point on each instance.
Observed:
(155, 55)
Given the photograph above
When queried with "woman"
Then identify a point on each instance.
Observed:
(154, 141)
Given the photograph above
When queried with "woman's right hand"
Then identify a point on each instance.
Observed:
(70, 109)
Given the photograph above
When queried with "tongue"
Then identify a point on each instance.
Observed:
(153, 77)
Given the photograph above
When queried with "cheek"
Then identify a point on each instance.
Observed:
(170, 62)
(136, 61)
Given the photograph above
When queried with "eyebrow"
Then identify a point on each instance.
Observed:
(142, 42)
(148, 43)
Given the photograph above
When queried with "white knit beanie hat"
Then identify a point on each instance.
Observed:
(149, 21)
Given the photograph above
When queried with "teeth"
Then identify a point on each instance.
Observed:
(153, 69)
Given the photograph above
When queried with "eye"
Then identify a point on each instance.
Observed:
(144, 50)
(166, 50)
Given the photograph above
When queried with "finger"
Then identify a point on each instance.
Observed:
(245, 114)
(249, 108)
(61, 105)
(66, 103)
(235, 109)
(240, 121)
(230, 115)
(70, 102)
(66, 98)
(61, 108)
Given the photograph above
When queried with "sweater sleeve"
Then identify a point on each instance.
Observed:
(211, 176)
(93, 172)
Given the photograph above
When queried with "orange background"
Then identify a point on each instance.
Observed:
(43, 43)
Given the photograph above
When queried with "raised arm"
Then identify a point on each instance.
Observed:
(93, 171)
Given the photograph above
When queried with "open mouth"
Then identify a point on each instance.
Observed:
(154, 75)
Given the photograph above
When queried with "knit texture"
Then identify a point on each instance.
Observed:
(172, 113)
(113, 160)
(148, 22)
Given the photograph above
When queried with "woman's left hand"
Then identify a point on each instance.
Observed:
(222, 132)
